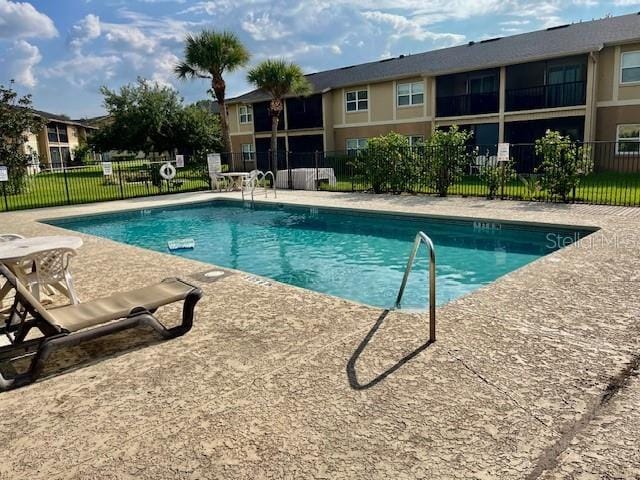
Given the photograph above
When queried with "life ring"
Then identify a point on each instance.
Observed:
(167, 171)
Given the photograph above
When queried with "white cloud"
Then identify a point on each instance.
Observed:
(208, 8)
(264, 27)
(85, 30)
(22, 20)
(336, 49)
(405, 27)
(132, 37)
(82, 69)
(24, 59)
(162, 67)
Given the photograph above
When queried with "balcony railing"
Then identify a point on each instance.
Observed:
(470, 104)
(546, 96)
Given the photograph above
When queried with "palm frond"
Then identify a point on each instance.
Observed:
(279, 78)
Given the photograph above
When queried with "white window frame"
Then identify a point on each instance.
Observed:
(411, 94)
(248, 154)
(415, 140)
(622, 68)
(248, 114)
(627, 139)
(361, 144)
(356, 101)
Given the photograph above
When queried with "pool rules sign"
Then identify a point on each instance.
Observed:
(4, 174)
(503, 152)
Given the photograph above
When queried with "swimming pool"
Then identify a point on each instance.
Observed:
(355, 255)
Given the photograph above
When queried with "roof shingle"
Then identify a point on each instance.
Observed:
(559, 41)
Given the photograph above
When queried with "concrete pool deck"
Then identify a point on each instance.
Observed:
(533, 376)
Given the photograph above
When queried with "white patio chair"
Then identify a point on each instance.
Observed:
(479, 162)
(51, 271)
(249, 182)
(217, 180)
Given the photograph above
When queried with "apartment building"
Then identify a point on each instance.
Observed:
(582, 79)
(54, 145)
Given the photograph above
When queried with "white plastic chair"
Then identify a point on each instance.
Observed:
(479, 162)
(51, 270)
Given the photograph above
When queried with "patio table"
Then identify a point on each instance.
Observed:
(17, 253)
(235, 179)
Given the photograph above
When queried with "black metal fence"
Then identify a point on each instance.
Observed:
(605, 173)
(43, 186)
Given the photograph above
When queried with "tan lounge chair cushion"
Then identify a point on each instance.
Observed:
(119, 305)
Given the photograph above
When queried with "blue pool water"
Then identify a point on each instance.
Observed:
(358, 256)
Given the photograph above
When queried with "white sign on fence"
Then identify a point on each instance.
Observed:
(4, 174)
(180, 161)
(107, 168)
(214, 163)
(503, 152)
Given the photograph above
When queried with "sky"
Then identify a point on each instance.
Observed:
(63, 51)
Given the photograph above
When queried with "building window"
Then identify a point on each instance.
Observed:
(57, 133)
(410, 94)
(246, 114)
(248, 152)
(415, 140)
(354, 145)
(357, 101)
(482, 84)
(628, 139)
(59, 157)
(630, 67)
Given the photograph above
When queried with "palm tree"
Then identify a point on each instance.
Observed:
(278, 78)
(209, 55)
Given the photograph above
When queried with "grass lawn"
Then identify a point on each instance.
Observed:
(88, 184)
(608, 188)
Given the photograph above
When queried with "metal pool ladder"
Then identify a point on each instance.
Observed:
(262, 176)
(422, 237)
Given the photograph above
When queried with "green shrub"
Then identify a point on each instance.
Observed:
(388, 163)
(532, 186)
(497, 175)
(564, 162)
(446, 158)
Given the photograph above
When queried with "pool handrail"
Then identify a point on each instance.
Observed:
(422, 237)
(262, 176)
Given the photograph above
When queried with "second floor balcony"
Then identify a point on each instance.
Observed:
(555, 95)
(468, 104)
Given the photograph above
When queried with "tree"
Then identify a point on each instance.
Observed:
(209, 55)
(278, 78)
(152, 118)
(197, 130)
(17, 120)
(563, 163)
(446, 158)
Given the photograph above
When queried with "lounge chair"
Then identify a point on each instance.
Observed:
(73, 324)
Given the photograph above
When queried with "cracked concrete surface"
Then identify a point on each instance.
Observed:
(266, 385)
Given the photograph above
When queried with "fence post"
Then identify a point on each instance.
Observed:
(4, 194)
(502, 180)
(66, 183)
(316, 154)
(120, 180)
(289, 174)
